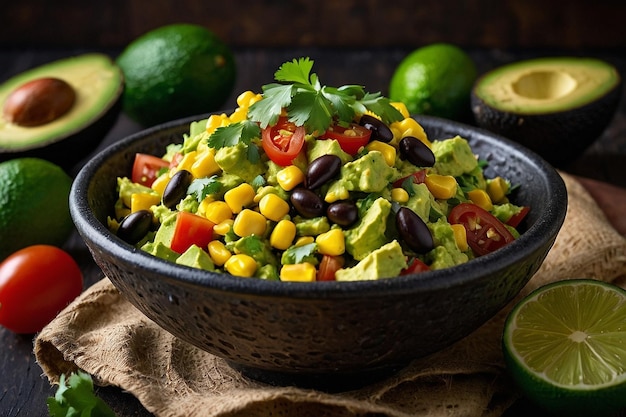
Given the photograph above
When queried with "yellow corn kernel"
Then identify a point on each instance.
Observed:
(441, 186)
(205, 165)
(185, 163)
(215, 121)
(336, 194)
(303, 272)
(409, 127)
(497, 188)
(248, 98)
(331, 243)
(401, 107)
(217, 211)
(283, 234)
(160, 183)
(460, 236)
(143, 201)
(218, 252)
(223, 227)
(399, 195)
(388, 151)
(239, 197)
(249, 222)
(273, 207)
(304, 240)
(480, 198)
(241, 265)
(288, 178)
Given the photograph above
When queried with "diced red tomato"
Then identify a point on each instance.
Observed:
(351, 138)
(415, 267)
(283, 141)
(328, 266)
(485, 233)
(176, 158)
(146, 168)
(517, 218)
(191, 229)
(418, 177)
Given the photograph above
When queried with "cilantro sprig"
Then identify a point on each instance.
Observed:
(76, 397)
(313, 105)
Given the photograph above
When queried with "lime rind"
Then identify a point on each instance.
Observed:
(565, 346)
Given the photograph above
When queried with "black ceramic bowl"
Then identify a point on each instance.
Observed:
(324, 331)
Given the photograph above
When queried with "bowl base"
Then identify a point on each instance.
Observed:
(330, 382)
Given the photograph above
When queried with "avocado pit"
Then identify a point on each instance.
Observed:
(39, 101)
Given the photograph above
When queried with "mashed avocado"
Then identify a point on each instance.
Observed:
(369, 234)
(234, 160)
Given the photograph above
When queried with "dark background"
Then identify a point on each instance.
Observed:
(351, 41)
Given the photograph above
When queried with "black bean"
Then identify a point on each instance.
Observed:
(322, 170)
(416, 152)
(307, 203)
(413, 231)
(135, 226)
(380, 131)
(176, 188)
(344, 213)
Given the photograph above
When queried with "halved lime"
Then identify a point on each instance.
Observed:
(565, 346)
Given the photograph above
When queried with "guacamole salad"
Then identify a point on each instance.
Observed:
(306, 182)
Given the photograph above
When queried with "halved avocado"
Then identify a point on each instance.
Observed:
(555, 106)
(98, 85)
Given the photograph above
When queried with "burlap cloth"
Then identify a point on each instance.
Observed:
(106, 336)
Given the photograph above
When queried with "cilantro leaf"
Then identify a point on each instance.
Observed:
(203, 187)
(312, 105)
(75, 397)
(234, 133)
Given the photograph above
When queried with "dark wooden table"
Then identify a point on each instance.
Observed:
(23, 388)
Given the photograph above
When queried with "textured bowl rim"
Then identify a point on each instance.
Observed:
(547, 225)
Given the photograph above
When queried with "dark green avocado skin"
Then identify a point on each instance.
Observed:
(559, 137)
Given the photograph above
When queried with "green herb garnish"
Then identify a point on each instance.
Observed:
(313, 105)
(202, 187)
(75, 397)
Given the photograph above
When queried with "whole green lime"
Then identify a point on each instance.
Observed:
(176, 71)
(34, 204)
(565, 346)
(435, 80)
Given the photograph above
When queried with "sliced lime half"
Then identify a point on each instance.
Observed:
(565, 346)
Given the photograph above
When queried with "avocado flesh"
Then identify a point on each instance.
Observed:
(98, 84)
(556, 107)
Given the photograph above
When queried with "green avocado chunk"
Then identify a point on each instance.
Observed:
(384, 262)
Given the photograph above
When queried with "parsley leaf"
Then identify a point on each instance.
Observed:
(312, 105)
(203, 187)
(75, 397)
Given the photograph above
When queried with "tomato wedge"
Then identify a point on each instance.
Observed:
(191, 229)
(418, 177)
(328, 266)
(283, 141)
(146, 168)
(485, 233)
(350, 138)
(415, 267)
(517, 218)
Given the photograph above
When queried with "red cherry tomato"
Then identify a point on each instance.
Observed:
(415, 267)
(328, 266)
(283, 141)
(350, 138)
(146, 168)
(485, 233)
(517, 218)
(191, 229)
(418, 177)
(36, 283)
